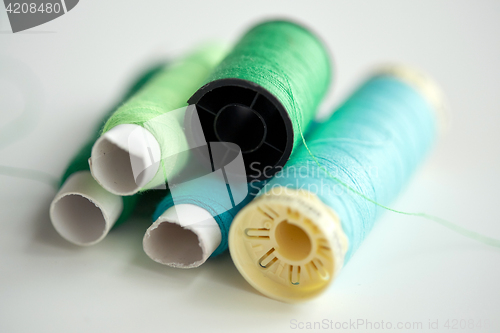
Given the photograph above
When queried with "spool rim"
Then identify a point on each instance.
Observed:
(82, 212)
(425, 84)
(287, 277)
(258, 89)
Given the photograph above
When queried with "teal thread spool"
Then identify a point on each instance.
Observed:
(290, 242)
(192, 223)
(148, 128)
(264, 94)
(83, 212)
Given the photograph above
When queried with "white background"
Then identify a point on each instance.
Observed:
(408, 270)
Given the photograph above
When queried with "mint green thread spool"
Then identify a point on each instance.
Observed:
(148, 128)
(264, 94)
(83, 212)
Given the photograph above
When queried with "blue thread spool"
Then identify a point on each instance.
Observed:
(290, 242)
(192, 222)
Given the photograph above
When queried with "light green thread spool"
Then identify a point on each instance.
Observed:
(152, 110)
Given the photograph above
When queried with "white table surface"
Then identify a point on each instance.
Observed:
(408, 270)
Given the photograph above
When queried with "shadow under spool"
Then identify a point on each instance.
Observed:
(242, 112)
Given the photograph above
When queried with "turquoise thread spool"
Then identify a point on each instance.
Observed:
(192, 223)
(290, 242)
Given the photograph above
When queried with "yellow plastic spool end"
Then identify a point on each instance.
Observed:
(288, 244)
(424, 84)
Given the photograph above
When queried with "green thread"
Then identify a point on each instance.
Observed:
(27, 82)
(80, 161)
(30, 174)
(168, 91)
(450, 225)
(30, 87)
(248, 63)
(288, 61)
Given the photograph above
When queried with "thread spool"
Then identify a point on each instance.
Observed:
(148, 128)
(292, 241)
(263, 94)
(192, 222)
(83, 212)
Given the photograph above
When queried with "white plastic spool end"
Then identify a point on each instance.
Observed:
(125, 159)
(83, 212)
(184, 236)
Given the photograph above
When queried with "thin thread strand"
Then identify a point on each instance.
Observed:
(30, 174)
(386, 124)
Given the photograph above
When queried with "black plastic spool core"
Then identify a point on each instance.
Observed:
(244, 113)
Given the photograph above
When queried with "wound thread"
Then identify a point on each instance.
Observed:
(80, 161)
(371, 146)
(263, 94)
(168, 91)
(211, 194)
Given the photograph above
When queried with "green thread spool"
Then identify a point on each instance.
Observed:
(83, 212)
(156, 111)
(80, 161)
(263, 95)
